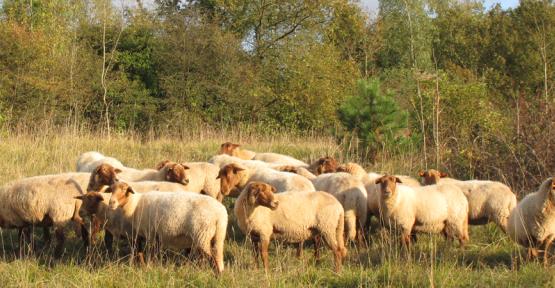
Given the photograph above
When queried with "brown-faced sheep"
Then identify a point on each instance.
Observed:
(323, 165)
(232, 149)
(233, 178)
(201, 177)
(291, 217)
(175, 220)
(488, 201)
(532, 223)
(428, 209)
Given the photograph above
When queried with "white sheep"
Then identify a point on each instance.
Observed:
(235, 177)
(201, 177)
(532, 223)
(323, 165)
(88, 161)
(489, 201)
(224, 159)
(44, 201)
(428, 209)
(350, 192)
(291, 217)
(176, 220)
(232, 149)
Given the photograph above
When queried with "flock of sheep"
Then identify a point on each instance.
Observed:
(178, 205)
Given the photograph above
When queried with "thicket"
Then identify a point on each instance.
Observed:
(468, 89)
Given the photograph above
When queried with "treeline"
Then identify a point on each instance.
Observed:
(463, 87)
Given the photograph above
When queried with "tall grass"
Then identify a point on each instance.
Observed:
(489, 260)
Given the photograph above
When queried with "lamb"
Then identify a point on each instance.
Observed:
(428, 209)
(489, 201)
(323, 165)
(235, 177)
(532, 223)
(175, 220)
(292, 217)
(350, 192)
(96, 205)
(44, 201)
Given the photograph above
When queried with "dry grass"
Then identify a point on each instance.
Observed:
(488, 260)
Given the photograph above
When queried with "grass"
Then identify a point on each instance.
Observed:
(489, 260)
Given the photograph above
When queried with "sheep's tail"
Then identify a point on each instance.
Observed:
(219, 237)
(339, 235)
(350, 225)
(510, 207)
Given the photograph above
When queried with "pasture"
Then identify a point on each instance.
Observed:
(490, 258)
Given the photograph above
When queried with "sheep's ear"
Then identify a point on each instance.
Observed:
(253, 194)
(107, 190)
(421, 173)
(235, 145)
(379, 180)
(218, 177)
(161, 165)
(117, 170)
(130, 190)
(98, 197)
(80, 197)
(443, 175)
(185, 166)
(398, 180)
(274, 190)
(237, 169)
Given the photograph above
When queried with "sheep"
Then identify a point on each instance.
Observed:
(175, 220)
(96, 205)
(201, 177)
(233, 178)
(105, 175)
(428, 209)
(291, 217)
(489, 201)
(350, 192)
(224, 159)
(532, 223)
(44, 201)
(231, 149)
(88, 161)
(323, 165)
(357, 170)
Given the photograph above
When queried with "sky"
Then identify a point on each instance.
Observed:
(372, 5)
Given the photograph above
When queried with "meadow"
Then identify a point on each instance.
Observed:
(490, 259)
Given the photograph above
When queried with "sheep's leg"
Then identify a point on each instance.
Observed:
(95, 228)
(317, 244)
(60, 239)
(338, 258)
(532, 253)
(24, 238)
(264, 244)
(141, 250)
(46, 236)
(546, 252)
(361, 241)
(256, 249)
(108, 241)
(300, 249)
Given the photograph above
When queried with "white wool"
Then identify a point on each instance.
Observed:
(88, 161)
(179, 220)
(351, 194)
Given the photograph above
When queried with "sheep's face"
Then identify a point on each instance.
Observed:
(388, 185)
(431, 176)
(230, 177)
(103, 175)
(262, 194)
(120, 194)
(228, 148)
(324, 165)
(177, 173)
(91, 202)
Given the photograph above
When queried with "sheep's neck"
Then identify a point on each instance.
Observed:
(245, 176)
(130, 206)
